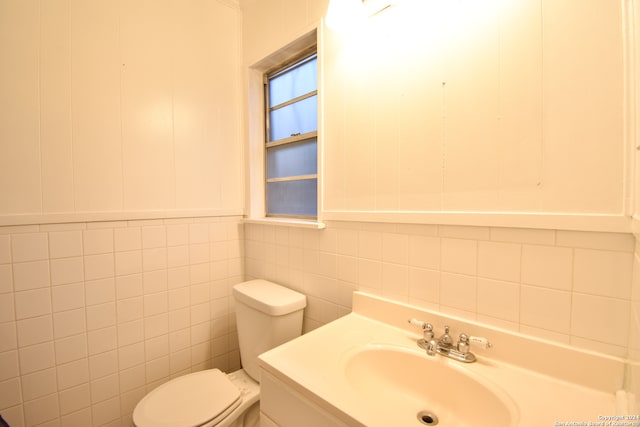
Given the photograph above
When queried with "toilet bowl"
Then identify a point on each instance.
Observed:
(267, 315)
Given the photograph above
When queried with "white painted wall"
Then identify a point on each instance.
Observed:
(492, 106)
(468, 107)
(113, 108)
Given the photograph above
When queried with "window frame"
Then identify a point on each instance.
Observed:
(310, 53)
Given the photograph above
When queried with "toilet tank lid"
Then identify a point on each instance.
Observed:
(268, 297)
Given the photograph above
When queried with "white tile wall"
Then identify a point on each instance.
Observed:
(93, 315)
(571, 287)
(634, 329)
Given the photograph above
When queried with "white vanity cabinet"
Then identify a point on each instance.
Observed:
(282, 406)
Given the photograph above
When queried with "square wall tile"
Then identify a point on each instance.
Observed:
(39, 384)
(177, 234)
(9, 365)
(8, 336)
(176, 277)
(67, 297)
(459, 256)
(424, 252)
(156, 303)
(30, 275)
(10, 395)
(6, 278)
(105, 388)
(35, 330)
(157, 325)
(347, 269)
(547, 266)
(459, 291)
(41, 410)
(7, 311)
(68, 323)
(130, 309)
(29, 247)
(500, 261)
(100, 291)
(199, 253)
(395, 279)
(5, 248)
(198, 233)
(67, 270)
(131, 355)
(36, 357)
(127, 239)
(132, 378)
(65, 244)
(347, 242)
(499, 299)
(424, 284)
(154, 237)
(100, 316)
(157, 369)
(75, 399)
(177, 256)
(129, 286)
(154, 259)
(543, 308)
(370, 273)
(130, 332)
(370, 245)
(395, 248)
(79, 418)
(99, 266)
(97, 241)
(129, 262)
(73, 374)
(71, 348)
(601, 319)
(604, 273)
(102, 340)
(32, 303)
(155, 281)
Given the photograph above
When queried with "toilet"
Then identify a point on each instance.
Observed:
(267, 315)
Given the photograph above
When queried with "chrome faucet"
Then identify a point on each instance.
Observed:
(444, 345)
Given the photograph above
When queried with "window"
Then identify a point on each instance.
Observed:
(291, 150)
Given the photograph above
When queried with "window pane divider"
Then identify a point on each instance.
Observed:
(295, 138)
(293, 178)
(294, 100)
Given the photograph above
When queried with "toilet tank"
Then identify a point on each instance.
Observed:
(267, 315)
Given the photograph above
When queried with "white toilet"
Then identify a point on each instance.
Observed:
(267, 315)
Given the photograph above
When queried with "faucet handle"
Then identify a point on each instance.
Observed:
(427, 328)
(481, 341)
(463, 344)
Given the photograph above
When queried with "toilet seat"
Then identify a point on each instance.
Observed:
(190, 400)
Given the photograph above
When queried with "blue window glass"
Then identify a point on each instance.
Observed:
(295, 198)
(291, 154)
(292, 159)
(298, 118)
(294, 83)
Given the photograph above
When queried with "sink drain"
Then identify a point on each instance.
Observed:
(427, 418)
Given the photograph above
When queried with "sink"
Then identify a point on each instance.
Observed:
(426, 390)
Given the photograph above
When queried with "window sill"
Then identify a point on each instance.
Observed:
(286, 222)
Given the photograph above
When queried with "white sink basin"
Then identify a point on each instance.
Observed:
(435, 390)
(365, 370)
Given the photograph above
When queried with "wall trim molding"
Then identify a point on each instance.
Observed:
(612, 223)
(73, 217)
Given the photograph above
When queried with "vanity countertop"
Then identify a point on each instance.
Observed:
(550, 385)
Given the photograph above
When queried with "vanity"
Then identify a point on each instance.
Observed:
(366, 369)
